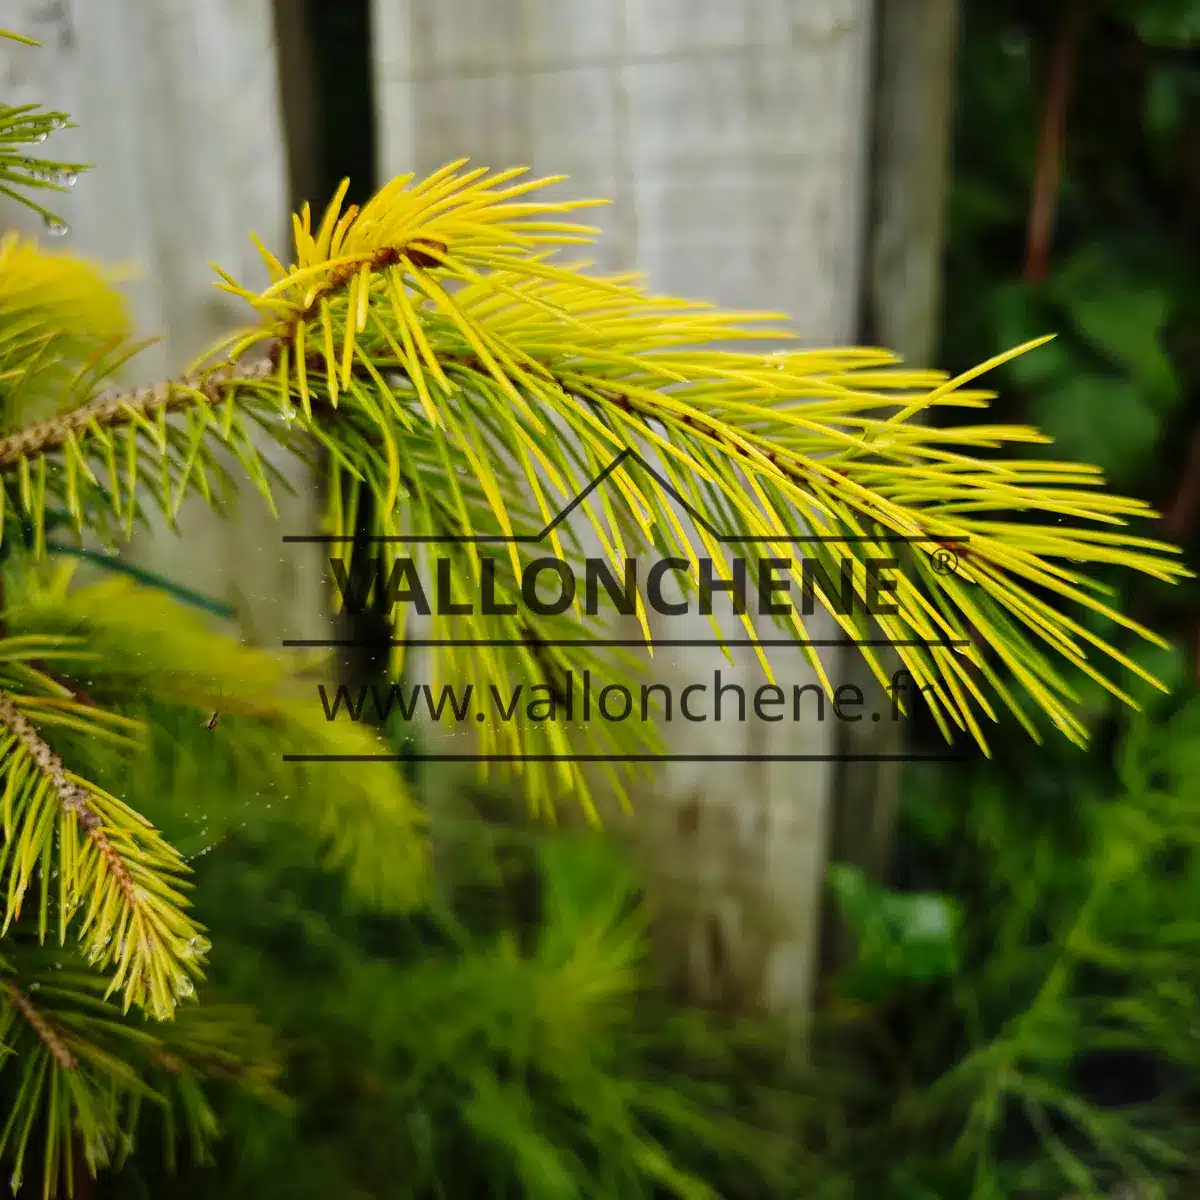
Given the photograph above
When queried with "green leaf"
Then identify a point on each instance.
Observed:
(1108, 422)
(899, 938)
(1164, 111)
(1168, 664)
(1018, 315)
(1168, 23)
(1123, 321)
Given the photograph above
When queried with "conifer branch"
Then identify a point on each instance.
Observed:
(88, 1070)
(119, 878)
(428, 335)
(472, 389)
(367, 819)
(120, 407)
(43, 1030)
(71, 797)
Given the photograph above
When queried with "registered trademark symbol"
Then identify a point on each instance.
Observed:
(945, 561)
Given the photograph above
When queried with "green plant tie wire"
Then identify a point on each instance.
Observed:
(56, 517)
(111, 563)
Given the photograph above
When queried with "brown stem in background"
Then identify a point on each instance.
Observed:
(1180, 516)
(78, 694)
(1191, 206)
(42, 1028)
(1180, 519)
(1054, 129)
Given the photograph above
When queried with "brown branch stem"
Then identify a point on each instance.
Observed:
(78, 693)
(46, 1034)
(52, 433)
(1181, 513)
(1050, 149)
(72, 798)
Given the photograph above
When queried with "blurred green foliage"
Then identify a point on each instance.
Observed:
(1061, 1051)
(507, 1042)
(900, 938)
(1048, 1045)
(1118, 386)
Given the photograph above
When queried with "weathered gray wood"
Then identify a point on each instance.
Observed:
(177, 106)
(915, 53)
(732, 138)
(298, 103)
(912, 124)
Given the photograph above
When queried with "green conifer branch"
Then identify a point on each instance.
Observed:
(90, 1073)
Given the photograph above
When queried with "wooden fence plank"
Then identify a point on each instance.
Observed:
(732, 138)
(176, 103)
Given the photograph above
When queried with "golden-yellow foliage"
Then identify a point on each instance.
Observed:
(472, 386)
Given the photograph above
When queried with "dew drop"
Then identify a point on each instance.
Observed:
(40, 137)
(68, 178)
(55, 226)
(185, 987)
(194, 946)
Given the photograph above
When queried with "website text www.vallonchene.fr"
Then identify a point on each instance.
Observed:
(581, 697)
